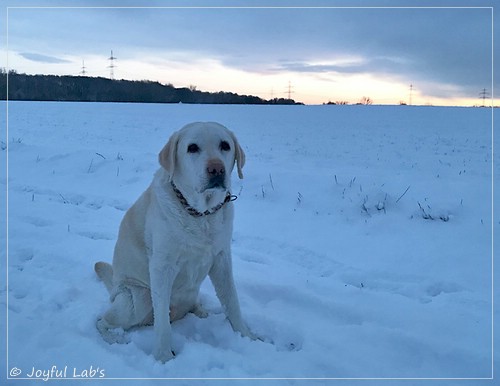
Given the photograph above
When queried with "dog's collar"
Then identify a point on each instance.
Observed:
(195, 213)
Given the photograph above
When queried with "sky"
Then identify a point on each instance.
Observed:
(314, 52)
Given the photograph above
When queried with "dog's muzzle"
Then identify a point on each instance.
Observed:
(216, 182)
(216, 173)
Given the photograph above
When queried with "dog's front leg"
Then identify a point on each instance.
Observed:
(162, 275)
(221, 275)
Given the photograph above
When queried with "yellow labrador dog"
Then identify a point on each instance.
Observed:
(177, 232)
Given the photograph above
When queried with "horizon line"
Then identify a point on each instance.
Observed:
(10, 71)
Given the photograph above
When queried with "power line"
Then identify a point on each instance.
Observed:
(290, 91)
(483, 94)
(83, 72)
(111, 66)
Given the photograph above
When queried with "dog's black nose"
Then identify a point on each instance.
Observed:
(215, 168)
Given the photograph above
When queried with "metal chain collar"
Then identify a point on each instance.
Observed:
(195, 213)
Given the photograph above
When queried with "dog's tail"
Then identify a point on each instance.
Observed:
(105, 273)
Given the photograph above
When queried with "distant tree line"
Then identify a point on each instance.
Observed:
(88, 89)
(364, 101)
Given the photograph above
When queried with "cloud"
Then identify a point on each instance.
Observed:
(422, 46)
(42, 58)
(367, 65)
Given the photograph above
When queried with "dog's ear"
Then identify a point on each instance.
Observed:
(239, 155)
(240, 159)
(168, 154)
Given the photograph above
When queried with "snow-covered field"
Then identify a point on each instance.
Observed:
(362, 244)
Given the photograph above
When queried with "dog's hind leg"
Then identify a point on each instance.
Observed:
(130, 307)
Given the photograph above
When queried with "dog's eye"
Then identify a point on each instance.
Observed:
(193, 148)
(225, 146)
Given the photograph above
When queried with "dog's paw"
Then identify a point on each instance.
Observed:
(199, 311)
(247, 333)
(111, 335)
(162, 355)
(258, 337)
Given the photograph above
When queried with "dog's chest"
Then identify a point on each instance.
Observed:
(206, 233)
(193, 266)
(194, 261)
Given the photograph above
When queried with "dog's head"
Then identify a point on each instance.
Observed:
(199, 159)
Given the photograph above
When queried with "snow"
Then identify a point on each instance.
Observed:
(362, 245)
